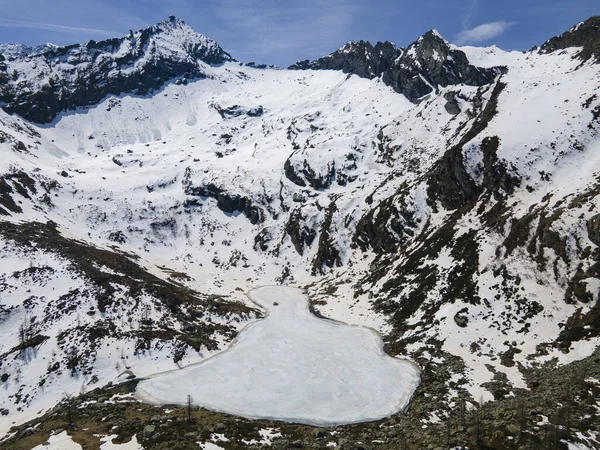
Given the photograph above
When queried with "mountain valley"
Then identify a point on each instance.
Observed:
(446, 197)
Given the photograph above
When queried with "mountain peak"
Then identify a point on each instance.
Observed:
(174, 19)
(171, 23)
(431, 41)
(82, 74)
(430, 62)
(174, 38)
(354, 45)
(435, 34)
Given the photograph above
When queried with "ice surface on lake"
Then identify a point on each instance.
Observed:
(295, 367)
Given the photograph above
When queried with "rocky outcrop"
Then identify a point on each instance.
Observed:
(227, 202)
(451, 184)
(449, 181)
(451, 106)
(498, 178)
(301, 174)
(48, 80)
(327, 255)
(593, 229)
(585, 35)
(3, 68)
(237, 110)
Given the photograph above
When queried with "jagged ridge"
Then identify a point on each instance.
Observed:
(416, 71)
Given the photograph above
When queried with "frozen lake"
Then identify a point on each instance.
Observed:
(295, 367)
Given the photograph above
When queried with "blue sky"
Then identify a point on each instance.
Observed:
(284, 31)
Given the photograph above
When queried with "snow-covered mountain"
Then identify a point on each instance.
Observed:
(445, 196)
(39, 82)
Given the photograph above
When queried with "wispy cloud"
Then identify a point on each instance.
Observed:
(54, 27)
(483, 32)
(309, 27)
(469, 13)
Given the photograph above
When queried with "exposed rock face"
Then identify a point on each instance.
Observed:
(328, 254)
(449, 182)
(387, 226)
(427, 63)
(3, 68)
(46, 80)
(299, 232)
(237, 110)
(451, 106)
(585, 35)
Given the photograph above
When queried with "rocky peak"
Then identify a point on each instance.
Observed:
(431, 37)
(427, 54)
(585, 35)
(170, 39)
(170, 23)
(46, 80)
(427, 63)
(175, 34)
(430, 46)
(430, 62)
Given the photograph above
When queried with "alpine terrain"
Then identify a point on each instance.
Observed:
(446, 197)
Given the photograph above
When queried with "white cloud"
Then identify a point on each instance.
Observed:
(54, 27)
(483, 32)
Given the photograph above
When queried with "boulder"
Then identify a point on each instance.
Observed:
(593, 229)
(149, 431)
(461, 318)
